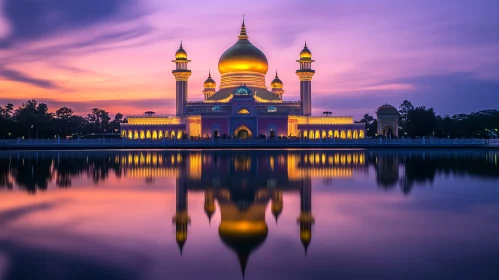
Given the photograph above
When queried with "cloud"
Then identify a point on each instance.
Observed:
(33, 19)
(17, 76)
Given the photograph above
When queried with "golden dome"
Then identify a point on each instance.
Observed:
(210, 83)
(276, 83)
(181, 54)
(305, 54)
(243, 57)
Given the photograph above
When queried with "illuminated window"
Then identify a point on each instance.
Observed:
(243, 111)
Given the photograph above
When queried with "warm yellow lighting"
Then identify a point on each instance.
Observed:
(243, 112)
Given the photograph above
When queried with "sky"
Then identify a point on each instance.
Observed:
(116, 54)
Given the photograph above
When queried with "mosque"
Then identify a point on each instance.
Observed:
(243, 106)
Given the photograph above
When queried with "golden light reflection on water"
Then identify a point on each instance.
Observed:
(220, 202)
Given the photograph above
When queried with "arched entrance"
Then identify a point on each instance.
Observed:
(272, 134)
(216, 134)
(242, 132)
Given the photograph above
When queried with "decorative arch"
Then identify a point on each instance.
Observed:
(343, 135)
(349, 134)
(123, 133)
(130, 134)
(361, 134)
(243, 110)
(336, 134)
(355, 134)
(241, 127)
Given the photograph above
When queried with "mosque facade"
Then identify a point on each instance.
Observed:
(242, 106)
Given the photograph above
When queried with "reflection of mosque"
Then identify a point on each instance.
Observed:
(243, 186)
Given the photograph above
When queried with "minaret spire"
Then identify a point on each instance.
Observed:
(243, 35)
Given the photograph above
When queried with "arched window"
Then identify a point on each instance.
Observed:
(148, 134)
(355, 134)
(336, 134)
(361, 134)
(343, 135)
(135, 134)
(142, 135)
(243, 111)
(154, 135)
(349, 134)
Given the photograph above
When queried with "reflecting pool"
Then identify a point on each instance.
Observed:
(290, 214)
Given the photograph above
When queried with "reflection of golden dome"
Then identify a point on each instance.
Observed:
(243, 237)
(210, 83)
(305, 54)
(276, 83)
(243, 57)
(181, 54)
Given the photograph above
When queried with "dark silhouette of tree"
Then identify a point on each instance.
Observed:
(370, 125)
(98, 119)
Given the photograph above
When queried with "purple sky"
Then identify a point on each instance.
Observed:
(116, 54)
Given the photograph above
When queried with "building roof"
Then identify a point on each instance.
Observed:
(259, 92)
(387, 109)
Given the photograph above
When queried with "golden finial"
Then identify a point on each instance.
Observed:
(209, 74)
(276, 74)
(242, 34)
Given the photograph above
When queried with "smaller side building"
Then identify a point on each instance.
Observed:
(388, 121)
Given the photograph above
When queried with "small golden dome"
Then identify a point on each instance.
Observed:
(276, 83)
(210, 83)
(305, 54)
(243, 57)
(181, 54)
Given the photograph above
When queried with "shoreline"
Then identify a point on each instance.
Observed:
(248, 144)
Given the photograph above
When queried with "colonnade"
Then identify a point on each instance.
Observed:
(337, 134)
(135, 134)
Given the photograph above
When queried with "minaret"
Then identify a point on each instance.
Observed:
(181, 74)
(306, 219)
(305, 73)
(181, 218)
(277, 86)
(209, 87)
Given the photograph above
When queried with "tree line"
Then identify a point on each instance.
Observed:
(32, 120)
(424, 122)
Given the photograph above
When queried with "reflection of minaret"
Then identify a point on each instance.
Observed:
(277, 204)
(209, 203)
(181, 218)
(306, 219)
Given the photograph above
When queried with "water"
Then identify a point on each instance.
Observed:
(268, 214)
